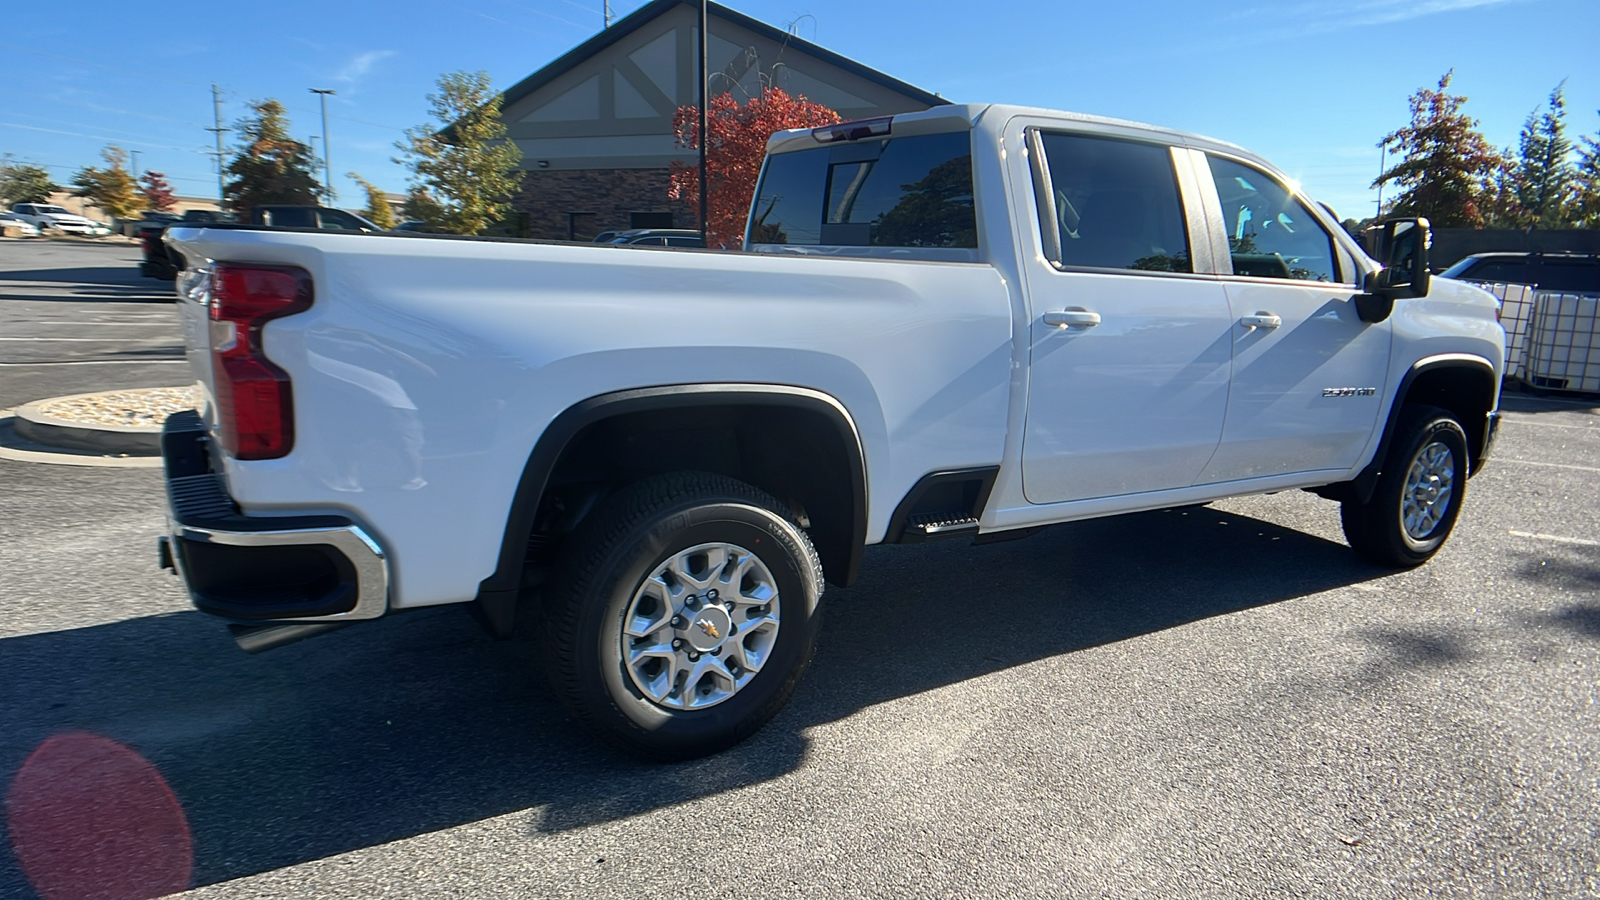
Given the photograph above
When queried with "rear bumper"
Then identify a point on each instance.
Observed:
(259, 569)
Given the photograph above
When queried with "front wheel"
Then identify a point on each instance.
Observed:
(684, 616)
(1418, 496)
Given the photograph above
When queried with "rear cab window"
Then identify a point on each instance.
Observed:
(910, 193)
(1115, 205)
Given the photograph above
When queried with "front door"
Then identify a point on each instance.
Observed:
(1129, 349)
(1308, 375)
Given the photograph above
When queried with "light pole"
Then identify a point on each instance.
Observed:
(327, 167)
(135, 155)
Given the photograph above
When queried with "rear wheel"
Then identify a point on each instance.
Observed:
(1418, 496)
(685, 615)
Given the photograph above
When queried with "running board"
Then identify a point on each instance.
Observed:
(931, 526)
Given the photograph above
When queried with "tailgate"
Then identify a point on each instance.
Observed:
(193, 287)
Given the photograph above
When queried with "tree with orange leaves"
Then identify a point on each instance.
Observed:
(733, 155)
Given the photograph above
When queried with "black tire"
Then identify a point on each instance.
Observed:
(607, 563)
(1377, 529)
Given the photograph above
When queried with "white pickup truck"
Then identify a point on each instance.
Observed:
(969, 321)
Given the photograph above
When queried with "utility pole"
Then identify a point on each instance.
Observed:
(216, 109)
(327, 145)
(1382, 152)
(135, 155)
(705, 232)
(608, 13)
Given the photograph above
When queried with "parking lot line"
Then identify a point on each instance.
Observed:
(1581, 542)
(1529, 462)
(1521, 422)
(99, 362)
(74, 339)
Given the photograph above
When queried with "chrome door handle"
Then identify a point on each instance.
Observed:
(1070, 318)
(1260, 320)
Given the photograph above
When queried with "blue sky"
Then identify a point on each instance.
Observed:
(1311, 85)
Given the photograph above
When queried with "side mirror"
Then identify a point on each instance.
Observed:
(1403, 248)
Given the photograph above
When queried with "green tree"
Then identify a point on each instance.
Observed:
(419, 206)
(111, 188)
(1497, 193)
(158, 194)
(1444, 160)
(1586, 184)
(270, 166)
(21, 183)
(464, 162)
(379, 210)
(1543, 169)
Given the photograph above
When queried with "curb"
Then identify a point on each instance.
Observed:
(14, 446)
(126, 440)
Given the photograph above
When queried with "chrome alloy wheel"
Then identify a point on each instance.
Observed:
(701, 626)
(1429, 488)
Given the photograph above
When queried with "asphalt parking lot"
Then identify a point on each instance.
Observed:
(1210, 702)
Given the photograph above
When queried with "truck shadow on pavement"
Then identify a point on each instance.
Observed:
(84, 283)
(418, 722)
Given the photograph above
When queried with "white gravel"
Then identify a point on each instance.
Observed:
(142, 407)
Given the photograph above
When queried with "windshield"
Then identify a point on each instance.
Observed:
(51, 209)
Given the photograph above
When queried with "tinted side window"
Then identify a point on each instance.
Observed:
(333, 219)
(1116, 204)
(1507, 271)
(898, 192)
(1270, 233)
(1576, 276)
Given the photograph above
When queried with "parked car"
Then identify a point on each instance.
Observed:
(161, 263)
(158, 262)
(413, 226)
(13, 225)
(1569, 273)
(657, 237)
(320, 217)
(667, 455)
(48, 216)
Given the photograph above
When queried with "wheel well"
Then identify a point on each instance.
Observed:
(802, 455)
(1464, 387)
(1466, 391)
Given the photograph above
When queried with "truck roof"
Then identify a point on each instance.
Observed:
(972, 113)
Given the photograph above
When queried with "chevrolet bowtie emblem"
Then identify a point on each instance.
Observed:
(708, 628)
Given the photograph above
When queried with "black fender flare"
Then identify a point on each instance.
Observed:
(497, 594)
(1364, 483)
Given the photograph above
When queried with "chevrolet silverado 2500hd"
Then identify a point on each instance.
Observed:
(961, 322)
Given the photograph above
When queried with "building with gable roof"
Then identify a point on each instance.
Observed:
(595, 126)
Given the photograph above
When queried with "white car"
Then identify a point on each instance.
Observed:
(13, 225)
(47, 216)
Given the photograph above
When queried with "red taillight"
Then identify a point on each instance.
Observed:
(255, 406)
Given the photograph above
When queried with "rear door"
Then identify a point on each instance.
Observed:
(1129, 346)
(1308, 375)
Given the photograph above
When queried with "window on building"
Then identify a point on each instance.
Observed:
(650, 220)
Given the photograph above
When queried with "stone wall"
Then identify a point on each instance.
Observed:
(577, 204)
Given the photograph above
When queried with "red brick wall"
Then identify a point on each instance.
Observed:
(606, 196)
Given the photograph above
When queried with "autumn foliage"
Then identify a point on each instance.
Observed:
(1444, 161)
(738, 142)
(158, 194)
